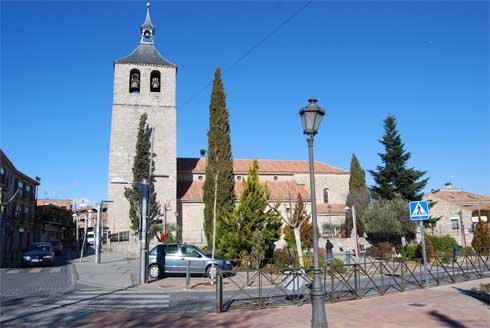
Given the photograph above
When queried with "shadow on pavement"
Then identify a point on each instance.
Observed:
(485, 299)
(447, 320)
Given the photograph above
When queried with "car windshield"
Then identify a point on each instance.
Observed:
(40, 247)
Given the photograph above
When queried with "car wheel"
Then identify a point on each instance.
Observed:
(154, 271)
(208, 271)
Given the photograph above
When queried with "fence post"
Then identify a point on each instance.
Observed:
(356, 282)
(382, 278)
(188, 275)
(332, 295)
(248, 272)
(401, 276)
(219, 293)
(260, 284)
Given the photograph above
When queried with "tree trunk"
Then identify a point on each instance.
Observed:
(299, 249)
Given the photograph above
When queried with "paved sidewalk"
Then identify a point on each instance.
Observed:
(114, 271)
(447, 306)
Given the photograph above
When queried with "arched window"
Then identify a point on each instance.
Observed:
(155, 81)
(134, 81)
(325, 195)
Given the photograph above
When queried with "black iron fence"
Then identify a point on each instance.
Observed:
(275, 282)
(119, 236)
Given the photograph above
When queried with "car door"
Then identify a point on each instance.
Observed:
(189, 253)
(171, 259)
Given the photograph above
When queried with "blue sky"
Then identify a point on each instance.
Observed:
(425, 62)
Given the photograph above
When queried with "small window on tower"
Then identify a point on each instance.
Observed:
(134, 81)
(155, 81)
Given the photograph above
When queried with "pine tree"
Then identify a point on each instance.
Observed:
(236, 237)
(219, 162)
(358, 196)
(141, 171)
(394, 178)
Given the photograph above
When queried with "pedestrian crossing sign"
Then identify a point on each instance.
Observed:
(419, 210)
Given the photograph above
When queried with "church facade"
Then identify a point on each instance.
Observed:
(145, 82)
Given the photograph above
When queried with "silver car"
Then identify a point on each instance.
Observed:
(173, 258)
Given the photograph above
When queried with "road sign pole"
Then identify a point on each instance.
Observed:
(424, 255)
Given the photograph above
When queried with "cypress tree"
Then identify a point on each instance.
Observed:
(358, 195)
(220, 161)
(141, 170)
(394, 178)
(481, 238)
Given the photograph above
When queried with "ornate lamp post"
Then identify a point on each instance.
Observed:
(311, 117)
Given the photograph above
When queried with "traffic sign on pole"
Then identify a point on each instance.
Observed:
(419, 210)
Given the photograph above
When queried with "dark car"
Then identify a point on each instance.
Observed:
(173, 258)
(39, 254)
(57, 245)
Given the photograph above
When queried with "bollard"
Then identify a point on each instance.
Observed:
(188, 275)
(219, 293)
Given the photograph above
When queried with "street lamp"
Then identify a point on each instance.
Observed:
(311, 117)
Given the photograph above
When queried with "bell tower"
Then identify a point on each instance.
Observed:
(144, 82)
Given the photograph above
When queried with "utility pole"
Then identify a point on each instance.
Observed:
(97, 233)
(144, 218)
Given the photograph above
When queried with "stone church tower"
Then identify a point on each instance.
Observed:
(144, 82)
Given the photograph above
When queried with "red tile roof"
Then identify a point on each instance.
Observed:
(192, 191)
(460, 198)
(241, 166)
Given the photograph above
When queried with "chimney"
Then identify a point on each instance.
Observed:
(202, 152)
(448, 185)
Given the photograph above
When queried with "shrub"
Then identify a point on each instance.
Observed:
(410, 251)
(467, 251)
(373, 251)
(429, 250)
(443, 243)
(336, 266)
(283, 256)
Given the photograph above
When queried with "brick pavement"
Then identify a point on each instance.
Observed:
(447, 306)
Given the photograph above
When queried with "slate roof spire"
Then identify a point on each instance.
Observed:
(147, 29)
(146, 53)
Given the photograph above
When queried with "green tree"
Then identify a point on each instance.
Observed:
(358, 196)
(387, 220)
(236, 229)
(481, 238)
(219, 162)
(394, 177)
(142, 169)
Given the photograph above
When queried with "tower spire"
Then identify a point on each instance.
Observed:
(147, 29)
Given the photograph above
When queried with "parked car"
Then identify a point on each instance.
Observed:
(39, 254)
(57, 245)
(172, 259)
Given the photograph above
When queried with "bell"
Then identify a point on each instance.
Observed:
(134, 84)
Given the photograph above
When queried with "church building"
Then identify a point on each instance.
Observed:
(145, 82)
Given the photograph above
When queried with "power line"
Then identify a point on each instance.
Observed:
(251, 49)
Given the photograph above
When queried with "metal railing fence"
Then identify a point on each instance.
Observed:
(275, 282)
